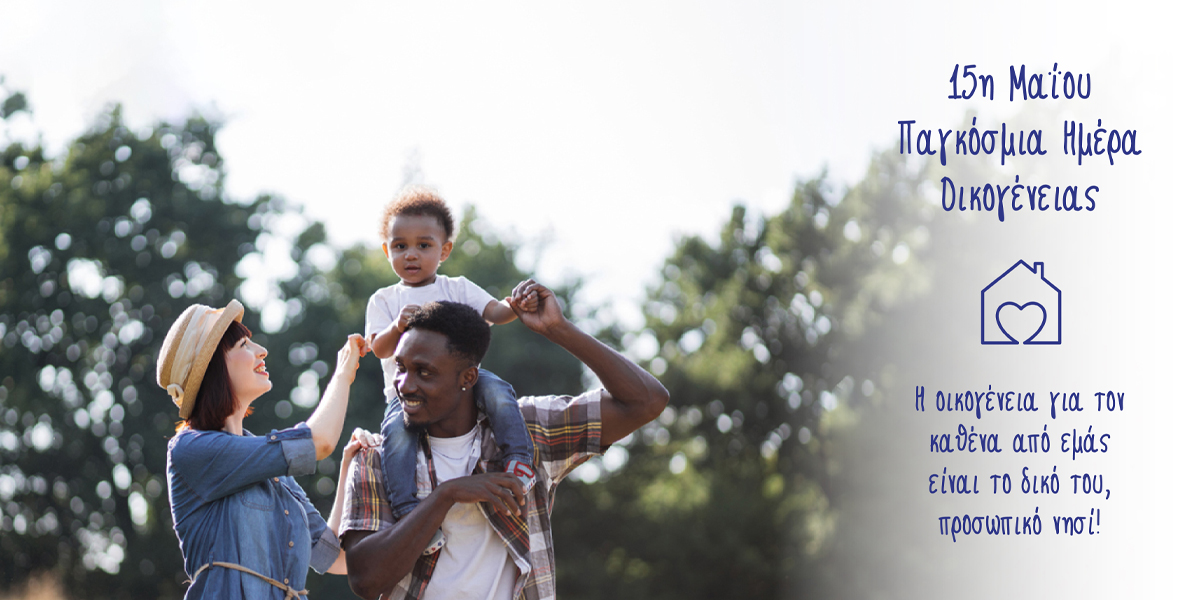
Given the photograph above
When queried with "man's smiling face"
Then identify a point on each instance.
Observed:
(428, 380)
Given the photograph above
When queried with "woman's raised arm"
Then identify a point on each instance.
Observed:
(329, 417)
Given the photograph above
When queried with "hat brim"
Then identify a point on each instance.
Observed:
(233, 311)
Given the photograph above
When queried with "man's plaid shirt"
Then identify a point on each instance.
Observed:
(566, 432)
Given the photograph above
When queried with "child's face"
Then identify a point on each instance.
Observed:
(416, 245)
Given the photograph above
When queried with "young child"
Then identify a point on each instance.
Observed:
(417, 231)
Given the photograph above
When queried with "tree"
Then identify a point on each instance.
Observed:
(730, 493)
(99, 250)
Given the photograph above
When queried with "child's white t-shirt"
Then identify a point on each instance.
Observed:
(386, 304)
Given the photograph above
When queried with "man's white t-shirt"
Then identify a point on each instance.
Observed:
(473, 563)
(386, 304)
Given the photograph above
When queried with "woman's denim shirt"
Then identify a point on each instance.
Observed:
(233, 499)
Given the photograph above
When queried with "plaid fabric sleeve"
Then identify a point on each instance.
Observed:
(566, 430)
(366, 507)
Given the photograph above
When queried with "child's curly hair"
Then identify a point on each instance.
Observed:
(420, 201)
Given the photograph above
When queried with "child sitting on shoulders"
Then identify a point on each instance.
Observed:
(417, 229)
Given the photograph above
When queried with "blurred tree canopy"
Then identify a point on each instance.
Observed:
(13, 102)
(759, 336)
(99, 250)
(730, 493)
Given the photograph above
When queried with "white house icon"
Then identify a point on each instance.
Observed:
(1021, 306)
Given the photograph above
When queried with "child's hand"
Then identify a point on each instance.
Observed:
(528, 303)
(531, 303)
(524, 298)
(547, 314)
(404, 315)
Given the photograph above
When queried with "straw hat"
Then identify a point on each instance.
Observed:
(187, 350)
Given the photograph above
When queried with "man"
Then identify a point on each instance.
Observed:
(498, 535)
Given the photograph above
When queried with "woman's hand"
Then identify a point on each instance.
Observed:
(348, 357)
(358, 440)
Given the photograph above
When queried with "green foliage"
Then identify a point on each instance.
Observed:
(729, 493)
(13, 103)
(99, 250)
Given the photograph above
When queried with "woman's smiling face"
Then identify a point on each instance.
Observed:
(248, 374)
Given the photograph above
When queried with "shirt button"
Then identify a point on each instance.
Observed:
(273, 437)
(285, 512)
(285, 581)
(276, 479)
(291, 544)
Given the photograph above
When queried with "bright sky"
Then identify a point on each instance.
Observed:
(607, 130)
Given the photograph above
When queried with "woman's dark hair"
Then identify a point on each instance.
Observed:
(215, 401)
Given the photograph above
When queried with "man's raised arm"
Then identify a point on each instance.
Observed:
(632, 396)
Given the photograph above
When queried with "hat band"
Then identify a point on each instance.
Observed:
(191, 343)
(176, 392)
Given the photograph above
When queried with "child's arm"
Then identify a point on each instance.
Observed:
(500, 313)
(384, 342)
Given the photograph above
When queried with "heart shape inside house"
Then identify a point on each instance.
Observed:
(1021, 321)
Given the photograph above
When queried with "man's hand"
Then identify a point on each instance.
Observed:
(632, 397)
(536, 306)
(502, 490)
(528, 301)
(378, 560)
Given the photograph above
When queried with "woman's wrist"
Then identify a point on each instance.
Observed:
(342, 376)
(344, 470)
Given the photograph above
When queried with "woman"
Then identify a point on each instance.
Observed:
(247, 529)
